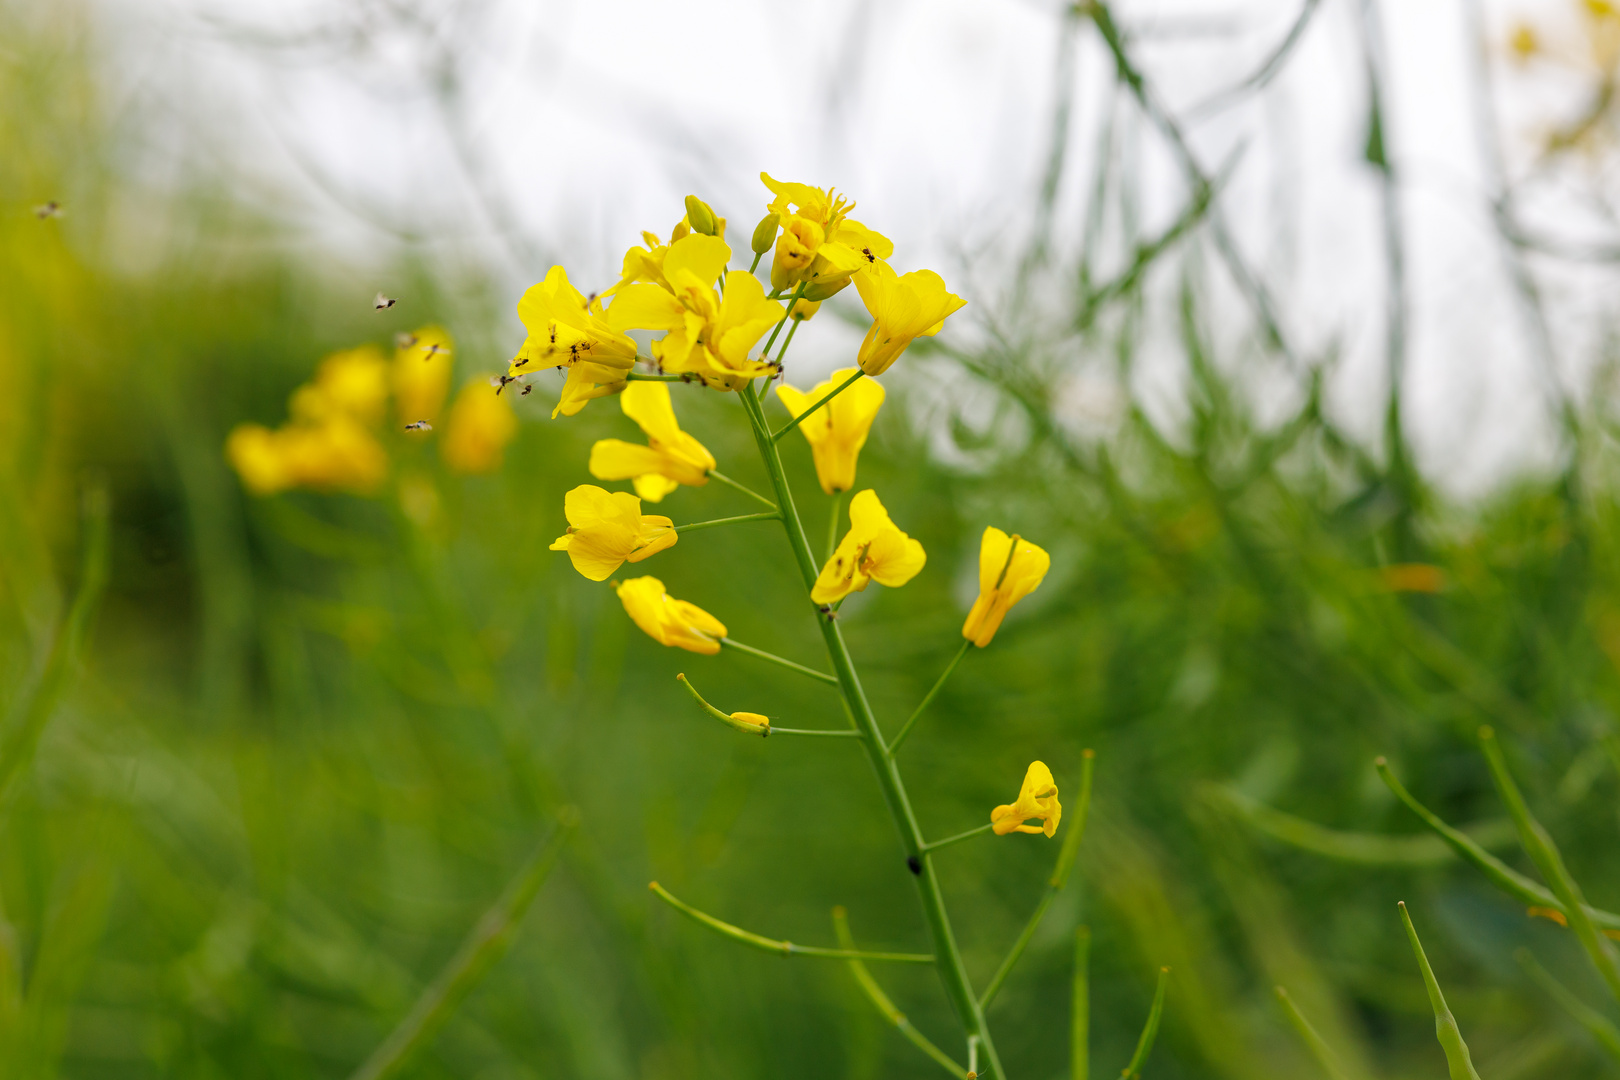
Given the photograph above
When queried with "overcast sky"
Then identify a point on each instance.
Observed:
(515, 133)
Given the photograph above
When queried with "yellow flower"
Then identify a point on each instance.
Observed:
(819, 244)
(352, 384)
(606, 529)
(1010, 568)
(837, 431)
(754, 718)
(669, 621)
(874, 549)
(1037, 799)
(422, 366)
(671, 458)
(706, 335)
(902, 308)
(336, 455)
(566, 330)
(481, 424)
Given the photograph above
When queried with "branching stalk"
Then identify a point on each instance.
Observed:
(819, 676)
(781, 948)
(875, 994)
(905, 729)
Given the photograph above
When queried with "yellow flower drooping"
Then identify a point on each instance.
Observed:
(328, 444)
(837, 431)
(902, 307)
(669, 621)
(1010, 568)
(421, 376)
(707, 335)
(819, 244)
(481, 423)
(874, 549)
(1037, 799)
(566, 330)
(606, 529)
(670, 458)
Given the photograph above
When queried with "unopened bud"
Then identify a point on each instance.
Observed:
(699, 216)
(804, 309)
(764, 234)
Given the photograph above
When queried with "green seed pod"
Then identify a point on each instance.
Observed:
(699, 216)
(764, 234)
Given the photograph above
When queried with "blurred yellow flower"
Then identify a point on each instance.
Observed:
(819, 244)
(671, 458)
(707, 335)
(422, 363)
(1010, 568)
(566, 330)
(481, 423)
(837, 431)
(352, 383)
(902, 308)
(1037, 799)
(607, 529)
(874, 549)
(672, 622)
(337, 455)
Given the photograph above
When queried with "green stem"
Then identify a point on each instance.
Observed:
(959, 837)
(1150, 1030)
(875, 994)
(833, 522)
(815, 731)
(773, 658)
(487, 943)
(794, 299)
(755, 265)
(787, 341)
(1446, 1031)
(1080, 1008)
(952, 971)
(725, 718)
(781, 948)
(636, 376)
(1055, 884)
(696, 525)
(1320, 1050)
(900, 736)
(797, 420)
(748, 491)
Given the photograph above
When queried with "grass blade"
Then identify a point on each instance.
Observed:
(1445, 1025)
(1499, 873)
(1150, 1030)
(1596, 1024)
(486, 944)
(1320, 1050)
(1080, 1008)
(33, 711)
(875, 993)
(1538, 844)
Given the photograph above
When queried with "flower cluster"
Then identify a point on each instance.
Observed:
(333, 439)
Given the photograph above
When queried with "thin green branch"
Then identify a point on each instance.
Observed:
(750, 492)
(725, 718)
(782, 948)
(1495, 870)
(786, 315)
(1054, 885)
(1080, 1008)
(636, 376)
(487, 943)
(34, 708)
(1597, 1025)
(819, 676)
(959, 837)
(875, 994)
(776, 436)
(1150, 1030)
(1320, 1050)
(1445, 1024)
(905, 729)
(816, 731)
(771, 515)
(1538, 844)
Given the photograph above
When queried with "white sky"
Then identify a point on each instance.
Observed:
(584, 122)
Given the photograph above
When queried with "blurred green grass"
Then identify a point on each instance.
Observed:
(311, 739)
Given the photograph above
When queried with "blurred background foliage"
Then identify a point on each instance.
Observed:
(308, 739)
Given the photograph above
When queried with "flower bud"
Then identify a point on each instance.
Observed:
(765, 234)
(804, 309)
(699, 216)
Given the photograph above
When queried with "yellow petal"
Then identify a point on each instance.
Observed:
(615, 459)
(895, 558)
(652, 487)
(598, 550)
(645, 307)
(588, 505)
(705, 257)
(655, 534)
(648, 404)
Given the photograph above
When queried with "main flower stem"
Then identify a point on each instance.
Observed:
(953, 973)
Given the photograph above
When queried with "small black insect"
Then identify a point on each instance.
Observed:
(382, 303)
(914, 864)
